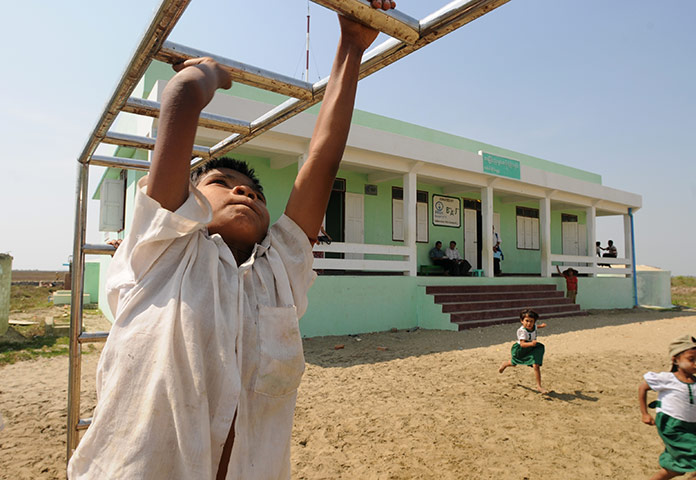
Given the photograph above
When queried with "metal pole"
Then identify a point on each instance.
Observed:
(633, 259)
(306, 75)
(78, 270)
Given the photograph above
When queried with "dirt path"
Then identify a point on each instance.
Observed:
(431, 405)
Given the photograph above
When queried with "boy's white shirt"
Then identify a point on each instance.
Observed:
(185, 353)
(673, 395)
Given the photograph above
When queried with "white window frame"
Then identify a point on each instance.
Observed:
(527, 230)
(422, 218)
(112, 199)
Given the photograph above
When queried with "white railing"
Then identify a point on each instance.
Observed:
(590, 264)
(400, 257)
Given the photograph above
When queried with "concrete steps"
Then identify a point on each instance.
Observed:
(474, 306)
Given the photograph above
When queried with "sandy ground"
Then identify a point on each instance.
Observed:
(431, 405)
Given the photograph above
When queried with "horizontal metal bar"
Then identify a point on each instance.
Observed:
(160, 27)
(447, 19)
(118, 162)
(93, 337)
(83, 424)
(149, 108)
(93, 249)
(145, 143)
(240, 72)
(392, 22)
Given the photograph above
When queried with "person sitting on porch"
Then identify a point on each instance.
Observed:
(610, 250)
(571, 278)
(460, 266)
(437, 256)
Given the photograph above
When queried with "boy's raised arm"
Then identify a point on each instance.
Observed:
(183, 99)
(312, 188)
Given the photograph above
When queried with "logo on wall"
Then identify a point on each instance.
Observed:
(446, 211)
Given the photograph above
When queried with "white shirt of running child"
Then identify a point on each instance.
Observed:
(453, 254)
(526, 335)
(195, 341)
(677, 399)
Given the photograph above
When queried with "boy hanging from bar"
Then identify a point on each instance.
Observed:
(199, 376)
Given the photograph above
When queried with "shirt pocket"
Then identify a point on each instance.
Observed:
(281, 361)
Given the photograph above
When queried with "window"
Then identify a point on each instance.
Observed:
(398, 215)
(527, 228)
(112, 198)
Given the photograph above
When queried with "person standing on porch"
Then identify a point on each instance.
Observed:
(571, 278)
(497, 254)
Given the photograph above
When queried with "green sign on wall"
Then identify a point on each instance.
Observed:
(502, 166)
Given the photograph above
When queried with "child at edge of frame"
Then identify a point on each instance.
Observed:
(527, 350)
(198, 378)
(676, 409)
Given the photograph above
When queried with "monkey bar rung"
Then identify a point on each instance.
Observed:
(392, 22)
(149, 108)
(249, 75)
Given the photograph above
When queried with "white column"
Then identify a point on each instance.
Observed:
(545, 232)
(487, 231)
(628, 241)
(410, 221)
(591, 224)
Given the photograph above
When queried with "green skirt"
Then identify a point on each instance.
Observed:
(680, 443)
(527, 355)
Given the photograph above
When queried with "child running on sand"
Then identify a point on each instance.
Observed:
(676, 409)
(199, 376)
(527, 350)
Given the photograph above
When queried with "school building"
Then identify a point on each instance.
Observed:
(402, 187)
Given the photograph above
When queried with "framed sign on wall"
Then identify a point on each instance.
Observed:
(446, 211)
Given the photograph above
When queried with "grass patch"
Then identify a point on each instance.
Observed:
(684, 291)
(29, 297)
(37, 347)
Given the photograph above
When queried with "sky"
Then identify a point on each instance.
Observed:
(604, 86)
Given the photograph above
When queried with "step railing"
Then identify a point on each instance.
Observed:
(587, 264)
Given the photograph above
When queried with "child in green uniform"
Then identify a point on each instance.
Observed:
(527, 350)
(676, 409)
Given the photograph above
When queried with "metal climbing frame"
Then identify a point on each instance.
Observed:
(407, 35)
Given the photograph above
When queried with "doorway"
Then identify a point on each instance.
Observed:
(335, 213)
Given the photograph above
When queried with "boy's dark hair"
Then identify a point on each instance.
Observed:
(226, 162)
(528, 312)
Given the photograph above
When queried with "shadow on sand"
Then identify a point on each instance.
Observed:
(349, 350)
(563, 397)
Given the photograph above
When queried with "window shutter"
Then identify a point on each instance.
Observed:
(421, 222)
(520, 232)
(398, 220)
(111, 205)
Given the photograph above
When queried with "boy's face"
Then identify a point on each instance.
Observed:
(452, 245)
(528, 322)
(240, 215)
